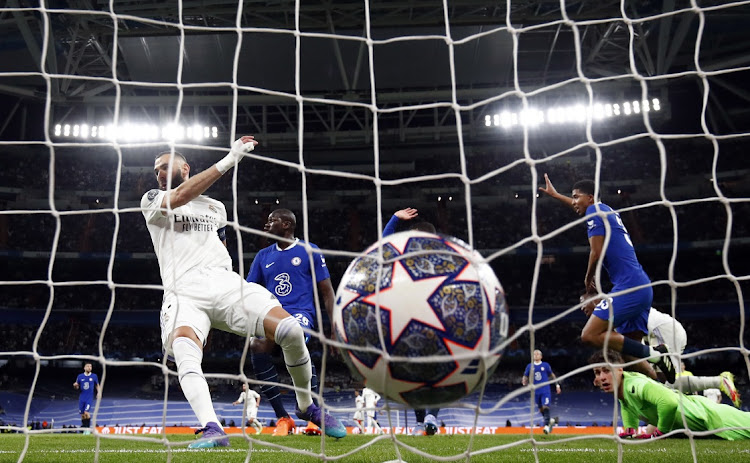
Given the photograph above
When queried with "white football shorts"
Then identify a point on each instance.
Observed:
(671, 334)
(216, 297)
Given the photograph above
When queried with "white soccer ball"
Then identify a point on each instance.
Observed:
(423, 325)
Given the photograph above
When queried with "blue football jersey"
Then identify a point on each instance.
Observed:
(286, 273)
(619, 256)
(87, 386)
(539, 374)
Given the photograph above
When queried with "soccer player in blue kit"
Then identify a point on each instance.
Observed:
(87, 382)
(541, 372)
(284, 268)
(630, 310)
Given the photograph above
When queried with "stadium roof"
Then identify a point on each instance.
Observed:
(133, 52)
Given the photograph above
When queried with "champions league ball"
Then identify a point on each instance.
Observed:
(424, 324)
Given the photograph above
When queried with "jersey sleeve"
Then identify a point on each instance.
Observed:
(241, 398)
(151, 205)
(96, 379)
(528, 370)
(321, 269)
(390, 227)
(255, 275)
(630, 418)
(594, 223)
(549, 369)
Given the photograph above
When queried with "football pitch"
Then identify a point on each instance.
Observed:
(553, 449)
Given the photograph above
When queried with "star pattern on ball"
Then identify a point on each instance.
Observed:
(402, 308)
(467, 363)
(379, 378)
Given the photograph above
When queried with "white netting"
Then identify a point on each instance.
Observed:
(456, 109)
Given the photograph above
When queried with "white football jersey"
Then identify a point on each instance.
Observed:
(252, 401)
(194, 242)
(371, 397)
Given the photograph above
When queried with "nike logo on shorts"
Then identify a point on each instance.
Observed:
(268, 265)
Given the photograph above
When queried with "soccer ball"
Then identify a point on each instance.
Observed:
(424, 325)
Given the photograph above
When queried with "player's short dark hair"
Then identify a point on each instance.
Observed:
(416, 224)
(286, 215)
(423, 226)
(177, 154)
(612, 357)
(585, 186)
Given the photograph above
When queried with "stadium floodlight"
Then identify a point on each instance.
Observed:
(572, 114)
(135, 132)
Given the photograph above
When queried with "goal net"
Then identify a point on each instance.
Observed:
(456, 108)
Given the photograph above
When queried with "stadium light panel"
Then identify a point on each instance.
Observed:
(578, 114)
(136, 132)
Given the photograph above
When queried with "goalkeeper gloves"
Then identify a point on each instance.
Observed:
(653, 435)
(627, 432)
(240, 147)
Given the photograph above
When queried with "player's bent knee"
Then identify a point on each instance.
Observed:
(291, 338)
(591, 339)
(289, 333)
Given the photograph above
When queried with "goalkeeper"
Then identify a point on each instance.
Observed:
(643, 398)
(202, 292)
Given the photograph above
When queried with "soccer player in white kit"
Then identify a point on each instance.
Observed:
(371, 403)
(663, 329)
(252, 399)
(359, 416)
(202, 292)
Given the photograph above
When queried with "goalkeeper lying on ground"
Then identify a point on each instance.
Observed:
(643, 398)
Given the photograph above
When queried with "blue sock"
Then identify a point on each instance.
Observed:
(545, 414)
(419, 414)
(635, 349)
(266, 371)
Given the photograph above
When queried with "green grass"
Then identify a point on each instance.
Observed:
(360, 449)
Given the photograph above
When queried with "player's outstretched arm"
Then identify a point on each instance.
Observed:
(199, 183)
(549, 190)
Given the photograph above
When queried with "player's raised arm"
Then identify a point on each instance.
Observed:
(549, 190)
(194, 186)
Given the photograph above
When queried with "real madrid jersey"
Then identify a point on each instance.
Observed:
(619, 256)
(286, 273)
(251, 397)
(188, 237)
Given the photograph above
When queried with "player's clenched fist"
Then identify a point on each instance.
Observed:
(240, 148)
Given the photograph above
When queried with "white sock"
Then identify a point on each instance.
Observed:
(696, 383)
(188, 357)
(290, 337)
